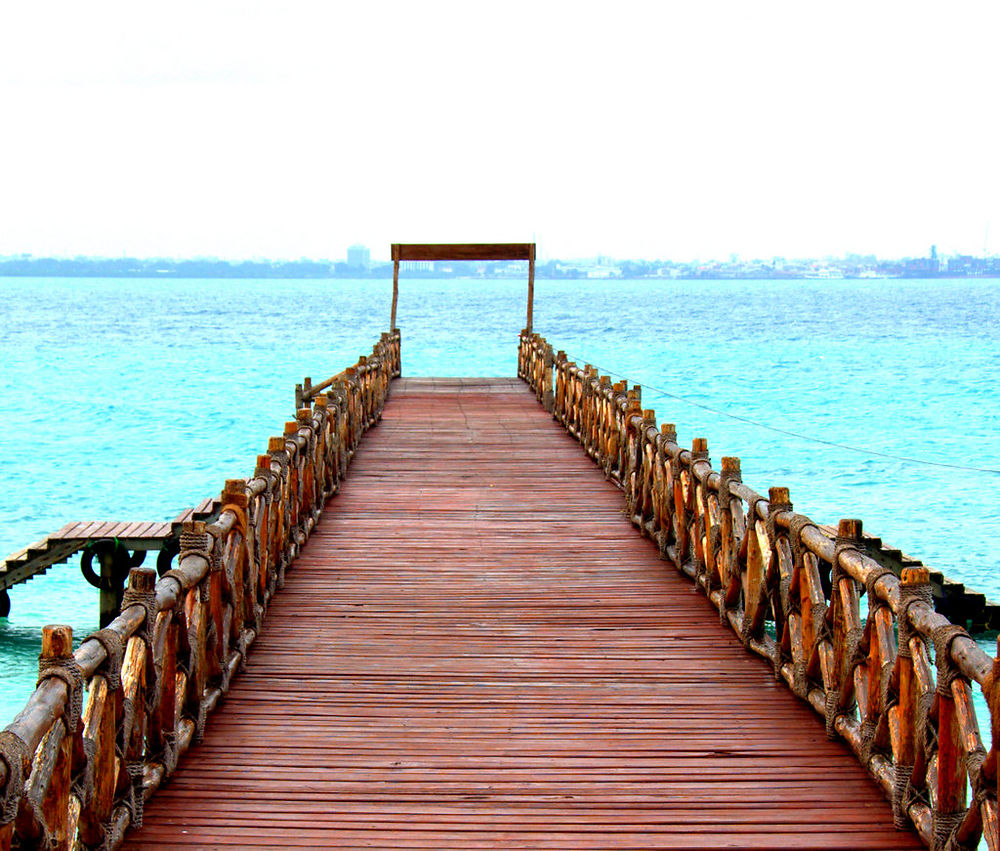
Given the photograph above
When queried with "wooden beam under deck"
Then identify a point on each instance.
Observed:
(476, 650)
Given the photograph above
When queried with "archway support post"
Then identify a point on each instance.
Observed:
(432, 252)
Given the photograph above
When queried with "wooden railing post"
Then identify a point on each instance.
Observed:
(726, 567)
(547, 394)
(110, 588)
(48, 788)
(101, 716)
(909, 698)
(136, 676)
(395, 287)
(951, 801)
(843, 617)
(531, 285)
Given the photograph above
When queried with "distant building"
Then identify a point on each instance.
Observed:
(359, 257)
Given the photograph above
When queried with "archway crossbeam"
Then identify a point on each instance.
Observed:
(432, 252)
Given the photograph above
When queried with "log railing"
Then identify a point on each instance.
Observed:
(107, 724)
(863, 647)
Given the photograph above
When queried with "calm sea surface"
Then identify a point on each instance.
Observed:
(134, 399)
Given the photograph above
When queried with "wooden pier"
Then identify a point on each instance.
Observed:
(528, 619)
(474, 650)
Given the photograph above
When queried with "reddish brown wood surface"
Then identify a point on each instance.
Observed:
(463, 251)
(476, 650)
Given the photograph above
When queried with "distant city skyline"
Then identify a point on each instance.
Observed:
(654, 130)
(360, 255)
(358, 264)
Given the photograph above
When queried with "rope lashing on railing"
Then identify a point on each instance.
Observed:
(67, 669)
(909, 594)
(158, 670)
(909, 719)
(114, 651)
(144, 598)
(14, 753)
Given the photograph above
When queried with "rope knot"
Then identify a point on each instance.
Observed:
(832, 708)
(14, 754)
(215, 561)
(945, 825)
(147, 600)
(869, 727)
(982, 789)
(114, 652)
(796, 527)
(83, 780)
(195, 543)
(800, 682)
(67, 669)
(901, 788)
(910, 593)
(947, 670)
(873, 576)
(725, 494)
(773, 510)
(777, 660)
(134, 800)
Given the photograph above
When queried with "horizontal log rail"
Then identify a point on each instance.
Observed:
(107, 724)
(863, 647)
(305, 392)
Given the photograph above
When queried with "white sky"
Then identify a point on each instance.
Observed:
(659, 130)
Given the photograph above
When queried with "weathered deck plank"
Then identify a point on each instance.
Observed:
(475, 650)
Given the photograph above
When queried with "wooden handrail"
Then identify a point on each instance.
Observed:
(75, 770)
(792, 593)
(390, 342)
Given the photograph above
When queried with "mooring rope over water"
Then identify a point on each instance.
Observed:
(789, 433)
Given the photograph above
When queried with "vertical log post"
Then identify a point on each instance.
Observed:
(908, 702)
(547, 394)
(57, 647)
(57, 642)
(951, 775)
(162, 727)
(842, 599)
(395, 288)
(731, 472)
(531, 285)
(100, 723)
(111, 592)
(695, 496)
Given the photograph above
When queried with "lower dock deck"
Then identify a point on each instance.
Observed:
(476, 650)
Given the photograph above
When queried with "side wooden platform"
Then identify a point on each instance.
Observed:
(36, 559)
(476, 650)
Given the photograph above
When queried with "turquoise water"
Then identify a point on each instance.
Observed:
(134, 399)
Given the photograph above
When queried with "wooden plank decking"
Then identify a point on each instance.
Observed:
(476, 650)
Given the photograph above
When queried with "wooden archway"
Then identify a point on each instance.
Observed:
(462, 251)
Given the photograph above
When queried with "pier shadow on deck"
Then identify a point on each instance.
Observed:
(476, 650)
